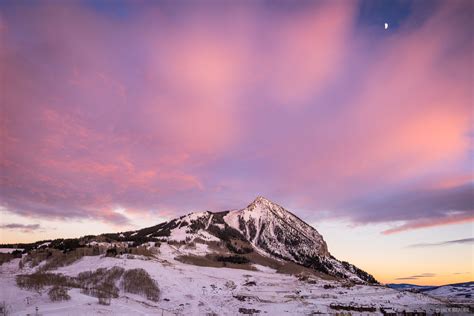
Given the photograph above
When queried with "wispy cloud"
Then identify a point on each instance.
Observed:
(444, 243)
(208, 108)
(21, 227)
(417, 276)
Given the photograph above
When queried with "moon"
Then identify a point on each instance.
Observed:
(386, 26)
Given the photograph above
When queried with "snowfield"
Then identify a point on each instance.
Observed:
(196, 290)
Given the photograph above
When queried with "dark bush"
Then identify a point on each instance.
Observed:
(58, 293)
(4, 308)
(225, 234)
(5, 257)
(65, 245)
(198, 224)
(111, 252)
(17, 253)
(249, 311)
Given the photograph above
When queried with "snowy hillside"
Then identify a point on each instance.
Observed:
(196, 290)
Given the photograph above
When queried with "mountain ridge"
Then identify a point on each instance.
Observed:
(263, 227)
(259, 259)
(269, 228)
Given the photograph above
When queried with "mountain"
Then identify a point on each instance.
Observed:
(264, 227)
(456, 292)
(408, 287)
(261, 259)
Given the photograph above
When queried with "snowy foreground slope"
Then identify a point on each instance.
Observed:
(258, 260)
(196, 290)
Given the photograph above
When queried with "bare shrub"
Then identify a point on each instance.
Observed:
(231, 285)
(248, 311)
(104, 298)
(37, 281)
(138, 281)
(100, 283)
(35, 257)
(58, 293)
(4, 309)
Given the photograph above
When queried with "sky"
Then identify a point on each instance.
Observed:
(120, 115)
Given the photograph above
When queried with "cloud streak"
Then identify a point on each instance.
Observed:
(418, 276)
(464, 241)
(21, 227)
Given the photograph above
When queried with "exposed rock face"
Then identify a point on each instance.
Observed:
(272, 229)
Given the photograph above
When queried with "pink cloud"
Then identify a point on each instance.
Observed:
(426, 223)
(309, 50)
(409, 115)
(204, 108)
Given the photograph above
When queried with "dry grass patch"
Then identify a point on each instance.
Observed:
(199, 261)
(296, 269)
(233, 259)
(214, 261)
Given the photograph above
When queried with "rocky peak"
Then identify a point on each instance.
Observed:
(269, 228)
(260, 201)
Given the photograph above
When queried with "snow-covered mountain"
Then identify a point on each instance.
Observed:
(265, 227)
(457, 292)
(274, 230)
(454, 292)
(261, 259)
